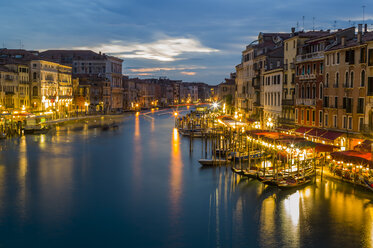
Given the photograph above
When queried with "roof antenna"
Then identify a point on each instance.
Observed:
(313, 22)
(298, 26)
(335, 25)
(303, 22)
(363, 13)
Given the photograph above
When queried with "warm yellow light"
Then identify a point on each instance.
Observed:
(175, 114)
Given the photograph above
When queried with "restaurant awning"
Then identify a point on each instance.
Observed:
(316, 132)
(324, 148)
(354, 157)
(331, 135)
(302, 130)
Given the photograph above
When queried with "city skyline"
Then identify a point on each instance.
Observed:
(188, 41)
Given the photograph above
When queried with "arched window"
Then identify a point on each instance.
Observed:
(278, 99)
(313, 91)
(362, 79)
(321, 91)
(302, 91)
(327, 80)
(297, 91)
(346, 79)
(336, 80)
(308, 91)
(35, 91)
(352, 80)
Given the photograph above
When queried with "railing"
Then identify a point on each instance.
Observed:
(308, 102)
(286, 121)
(289, 102)
(307, 76)
(309, 56)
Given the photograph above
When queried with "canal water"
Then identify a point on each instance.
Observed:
(139, 186)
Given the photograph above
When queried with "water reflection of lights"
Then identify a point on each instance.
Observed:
(22, 171)
(291, 205)
(176, 166)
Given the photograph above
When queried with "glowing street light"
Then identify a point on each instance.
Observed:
(215, 105)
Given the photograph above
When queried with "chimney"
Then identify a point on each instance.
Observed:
(99, 52)
(292, 30)
(365, 28)
(359, 32)
(343, 40)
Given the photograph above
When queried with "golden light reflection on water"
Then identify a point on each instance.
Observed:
(176, 165)
(288, 217)
(138, 155)
(21, 174)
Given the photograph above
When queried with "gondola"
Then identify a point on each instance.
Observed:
(210, 162)
(291, 184)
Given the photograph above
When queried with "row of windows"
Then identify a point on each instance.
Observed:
(309, 69)
(273, 80)
(306, 92)
(347, 122)
(272, 99)
(334, 58)
(348, 79)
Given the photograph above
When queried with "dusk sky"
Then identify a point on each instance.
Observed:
(189, 40)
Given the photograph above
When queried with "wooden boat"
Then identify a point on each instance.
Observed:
(105, 127)
(2, 135)
(210, 162)
(290, 184)
(368, 184)
(250, 173)
(37, 129)
(77, 128)
(238, 171)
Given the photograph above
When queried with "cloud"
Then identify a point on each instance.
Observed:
(144, 74)
(165, 50)
(157, 69)
(189, 73)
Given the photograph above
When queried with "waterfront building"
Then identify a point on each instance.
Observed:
(88, 63)
(51, 86)
(8, 89)
(21, 96)
(291, 51)
(226, 90)
(368, 112)
(309, 78)
(272, 92)
(263, 54)
(345, 88)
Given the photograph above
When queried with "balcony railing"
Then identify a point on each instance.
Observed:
(307, 76)
(308, 102)
(288, 102)
(310, 56)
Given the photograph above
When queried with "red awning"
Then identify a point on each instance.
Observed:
(302, 130)
(316, 132)
(324, 148)
(353, 157)
(331, 135)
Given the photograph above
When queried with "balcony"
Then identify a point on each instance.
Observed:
(288, 102)
(307, 76)
(310, 56)
(307, 102)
